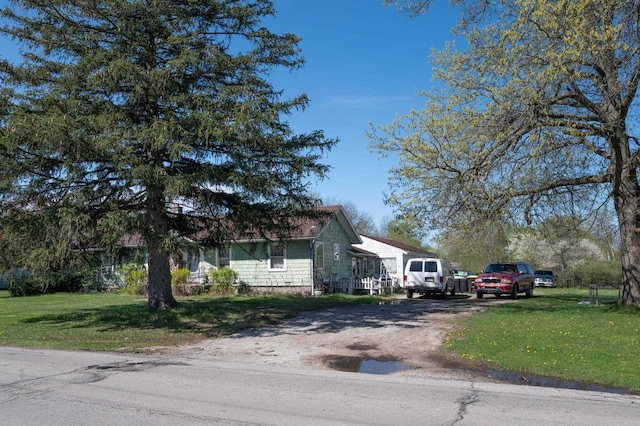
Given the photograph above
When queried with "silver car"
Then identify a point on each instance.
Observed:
(544, 278)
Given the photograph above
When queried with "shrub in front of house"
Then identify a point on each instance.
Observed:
(242, 288)
(135, 279)
(179, 280)
(222, 281)
(25, 286)
(50, 282)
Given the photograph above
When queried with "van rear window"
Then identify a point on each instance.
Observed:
(415, 267)
(431, 266)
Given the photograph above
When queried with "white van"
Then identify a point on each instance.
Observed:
(426, 276)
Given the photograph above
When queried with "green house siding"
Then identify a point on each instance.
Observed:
(340, 266)
(251, 264)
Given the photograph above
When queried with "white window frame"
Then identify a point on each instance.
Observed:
(318, 265)
(271, 258)
(336, 252)
(218, 257)
(108, 263)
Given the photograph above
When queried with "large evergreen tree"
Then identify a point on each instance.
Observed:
(536, 117)
(121, 109)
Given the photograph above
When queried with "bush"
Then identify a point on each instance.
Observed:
(51, 282)
(25, 286)
(243, 288)
(179, 278)
(135, 279)
(593, 272)
(222, 280)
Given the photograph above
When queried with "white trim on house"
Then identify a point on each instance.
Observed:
(281, 259)
(222, 261)
(389, 249)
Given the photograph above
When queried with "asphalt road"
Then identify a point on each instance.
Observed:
(39, 387)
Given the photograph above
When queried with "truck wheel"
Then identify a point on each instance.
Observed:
(479, 295)
(530, 292)
(514, 292)
(453, 292)
(409, 294)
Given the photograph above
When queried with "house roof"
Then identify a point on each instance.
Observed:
(344, 220)
(310, 228)
(361, 252)
(401, 246)
(302, 229)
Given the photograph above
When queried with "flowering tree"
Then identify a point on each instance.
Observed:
(535, 118)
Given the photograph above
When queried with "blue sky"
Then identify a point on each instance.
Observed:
(365, 63)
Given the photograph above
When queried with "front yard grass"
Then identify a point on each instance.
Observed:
(110, 321)
(556, 334)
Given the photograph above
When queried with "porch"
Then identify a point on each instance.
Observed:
(367, 285)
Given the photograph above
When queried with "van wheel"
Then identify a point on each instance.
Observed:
(453, 292)
(409, 294)
(444, 294)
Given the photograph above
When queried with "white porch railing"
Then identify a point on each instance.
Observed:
(369, 285)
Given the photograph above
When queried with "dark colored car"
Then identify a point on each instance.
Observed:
(505, 278)
(544, 278)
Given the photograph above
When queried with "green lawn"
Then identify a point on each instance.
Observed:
(556, 334)
(109, 321)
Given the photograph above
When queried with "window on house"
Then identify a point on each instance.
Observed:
(277, 257)
(336, 252)
(319, 256)
(108, 264)
(224, 256)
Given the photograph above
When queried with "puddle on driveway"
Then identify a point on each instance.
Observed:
(355, 364)
(371, 366)
(516, 378)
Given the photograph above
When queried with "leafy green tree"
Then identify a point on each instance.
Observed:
(399, 229)
(536, 117)
(121, 109)
(361, 220)
(474, 246)
(603, 226)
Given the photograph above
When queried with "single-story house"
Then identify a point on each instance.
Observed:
(321, 255)
(392, 256)
(316, 255)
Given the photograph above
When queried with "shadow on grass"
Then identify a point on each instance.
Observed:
(134, 325)
(208, 317)
(214, 317)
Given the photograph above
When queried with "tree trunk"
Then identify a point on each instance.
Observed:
(630, 252)
(160, 293)
(626, 198)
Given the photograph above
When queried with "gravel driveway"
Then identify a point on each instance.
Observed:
(409, 332)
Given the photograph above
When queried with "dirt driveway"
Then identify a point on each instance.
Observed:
(409, 332)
